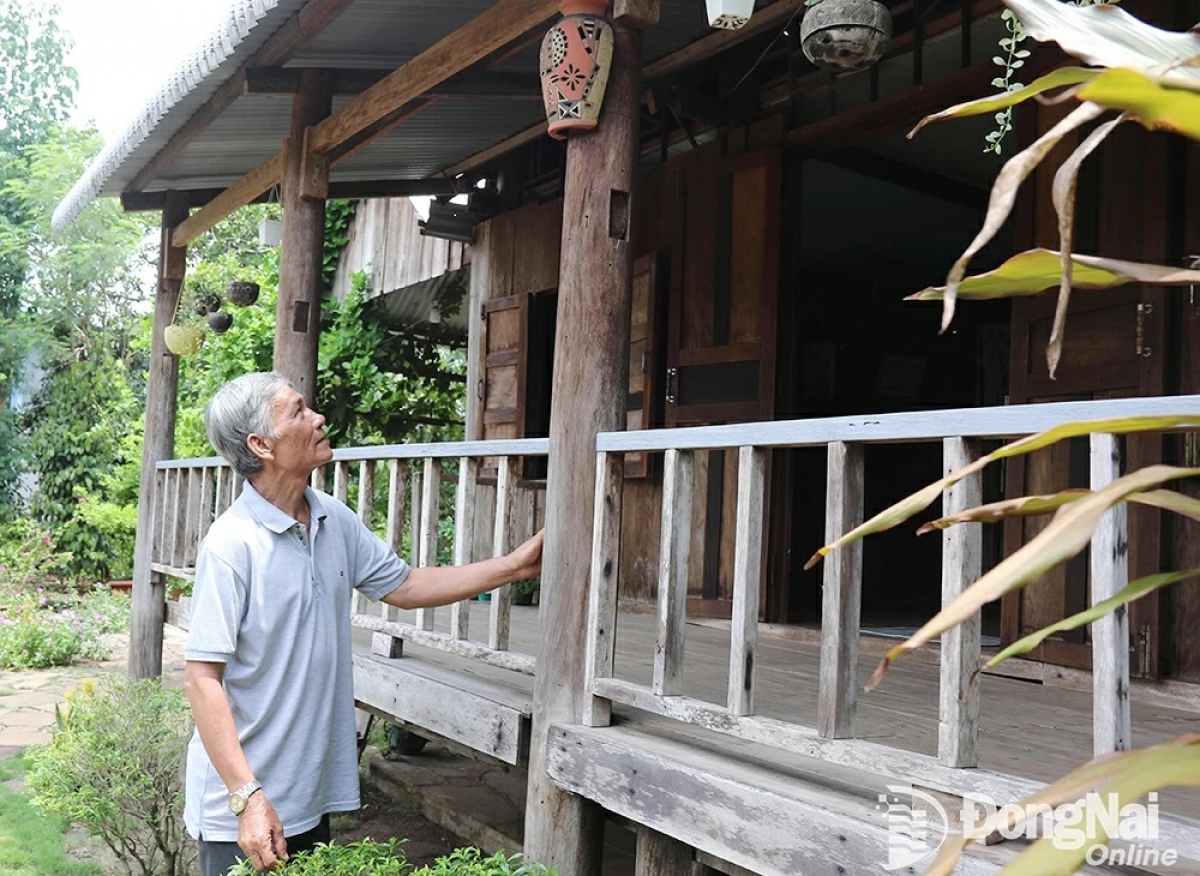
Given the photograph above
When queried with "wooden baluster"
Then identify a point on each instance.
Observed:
(507, 473)
(464, 532)
(430, 508)
(841, 600)
(318, 478)
(207, 503)
(397, 474)
(158, 552)
(747, 574)
(1110, 635)
(676, 542)
(177, 525)
(602, 591)
(341, 481)
(366, 511)
(962, 563)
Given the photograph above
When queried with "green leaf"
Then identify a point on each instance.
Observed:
(1035, 271)
(1134, 590)
(1066, 535)
(1061, 78)
(1157, 106)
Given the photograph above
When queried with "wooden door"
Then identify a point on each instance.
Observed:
(721, 339)
(1114, 347)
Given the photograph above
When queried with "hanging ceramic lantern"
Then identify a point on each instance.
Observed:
(844, 35)
(183, 340)
(219, 321)
(575, 62)
(729, 14)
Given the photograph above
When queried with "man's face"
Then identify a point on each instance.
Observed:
(300, 445)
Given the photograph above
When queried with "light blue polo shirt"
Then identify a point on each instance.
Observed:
(272, 603)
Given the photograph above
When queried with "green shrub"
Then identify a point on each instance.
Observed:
(42, 628)
(113, 765)
(363, 858)
(471, 862)
(102, 534)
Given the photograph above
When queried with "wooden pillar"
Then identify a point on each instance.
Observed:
(590, 381)
(660, 855)
(305, 185)
(149, 607)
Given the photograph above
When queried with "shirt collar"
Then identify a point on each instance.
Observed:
(272, 517)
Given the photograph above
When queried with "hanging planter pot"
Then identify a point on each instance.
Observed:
(845, 35)
(241, 292)
(219, 321)
(574, 65)
(183, 340)
(729, 14)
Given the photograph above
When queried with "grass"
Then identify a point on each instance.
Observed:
(30, 843)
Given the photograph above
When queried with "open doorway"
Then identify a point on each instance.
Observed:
(876, 223)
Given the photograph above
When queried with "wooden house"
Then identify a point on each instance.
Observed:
(690, 358)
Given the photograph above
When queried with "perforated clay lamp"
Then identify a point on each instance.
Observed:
(574, 65)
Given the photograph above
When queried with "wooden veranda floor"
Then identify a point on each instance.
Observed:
(1029, 730)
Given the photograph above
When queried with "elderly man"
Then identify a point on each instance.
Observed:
(269, 670)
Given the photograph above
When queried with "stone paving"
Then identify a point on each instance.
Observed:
(28, 697)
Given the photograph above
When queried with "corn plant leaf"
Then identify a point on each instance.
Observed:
(1023, 506)
(1134, 590)
(923, 498)
(1063, 77)
(1034, 271)
(1152, 102)
(1108, 36)
(1004, 195)
(1065, 536)
(1063, 195)
(1127, 774)
(1035, 506)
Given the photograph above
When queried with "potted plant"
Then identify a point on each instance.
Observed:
(845, 35)
(525, 591)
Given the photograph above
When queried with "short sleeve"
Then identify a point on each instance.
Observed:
(377, 569)
(218, 603)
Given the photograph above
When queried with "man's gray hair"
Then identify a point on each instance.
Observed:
(239, 409)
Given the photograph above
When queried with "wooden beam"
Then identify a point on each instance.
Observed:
(140, 202)
(484, 34)
(487, 32)
(501, 148)
(906, 176)
(149, 606)
(242, 192)
(774, 16)
(300, 28)
(472, 85)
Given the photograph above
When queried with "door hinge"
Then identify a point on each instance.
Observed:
(1145, 642)
(672, 381)
(1143, 350)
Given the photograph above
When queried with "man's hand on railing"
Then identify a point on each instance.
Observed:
(527, 558)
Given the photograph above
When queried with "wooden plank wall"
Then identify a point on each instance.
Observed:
(386, 240)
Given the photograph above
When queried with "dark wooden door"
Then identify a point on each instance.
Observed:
(721, 339)
(1115, 346)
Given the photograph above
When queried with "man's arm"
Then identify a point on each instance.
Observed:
(431, 586)
(260, 832)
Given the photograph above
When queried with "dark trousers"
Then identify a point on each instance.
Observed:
(216, 859)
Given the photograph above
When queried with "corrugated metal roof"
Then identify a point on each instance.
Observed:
(380, 34)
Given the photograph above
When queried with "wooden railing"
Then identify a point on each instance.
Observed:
(960, 432)
(191, 493)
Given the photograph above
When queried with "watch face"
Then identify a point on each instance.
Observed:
(236, 804)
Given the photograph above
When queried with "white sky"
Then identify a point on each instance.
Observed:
(125, 49)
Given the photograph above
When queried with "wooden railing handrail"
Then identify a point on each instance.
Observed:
(437, 450)
(1010, 421)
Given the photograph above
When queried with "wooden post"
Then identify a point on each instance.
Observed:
(590, 382)
(298, 308)
(841, 600)
(660, 855)
(962, 562)
(1110, 635)
(149, 610)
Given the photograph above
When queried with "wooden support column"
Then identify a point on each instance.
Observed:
(149, 608)
(591, 363)
(1110, 635)
(660, 855)
(305, 186)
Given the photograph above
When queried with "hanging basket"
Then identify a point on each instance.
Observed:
(845, 35)
(729, 14)
(183, 340)
(241, 292)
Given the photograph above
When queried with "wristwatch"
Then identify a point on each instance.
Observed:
(239, 798)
